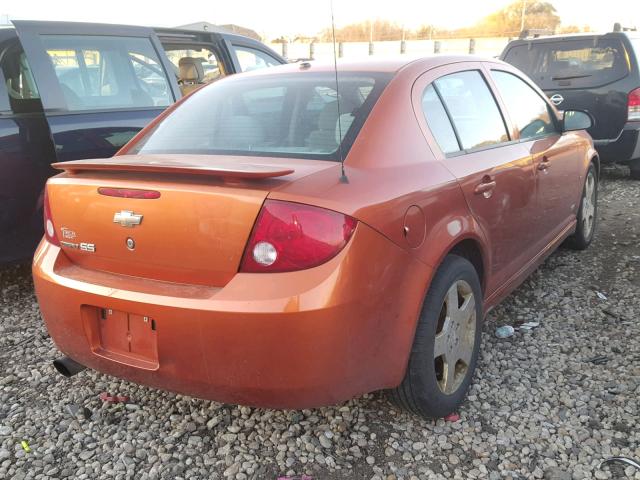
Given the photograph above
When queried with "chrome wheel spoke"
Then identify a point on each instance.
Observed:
(440, 347)
(467, 309)
(449, 378)
(452, 301)
(466, 351)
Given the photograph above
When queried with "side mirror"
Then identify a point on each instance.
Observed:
(576, 120)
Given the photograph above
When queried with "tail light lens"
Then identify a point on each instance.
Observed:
(634, 105)
(292, 236)
(49, 228)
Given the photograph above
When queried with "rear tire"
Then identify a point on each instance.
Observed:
(587, 213)
(634, 167)
(446, 343)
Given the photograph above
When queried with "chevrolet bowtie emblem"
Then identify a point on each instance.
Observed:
(127, 218)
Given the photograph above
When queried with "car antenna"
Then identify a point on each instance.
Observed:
(343, 176)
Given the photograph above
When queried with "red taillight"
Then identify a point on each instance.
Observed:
(633, 105)
(49, 228)
(129, 193)
(292, 236)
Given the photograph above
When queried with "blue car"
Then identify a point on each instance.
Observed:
(77, 90)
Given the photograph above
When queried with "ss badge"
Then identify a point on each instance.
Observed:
(88, 247)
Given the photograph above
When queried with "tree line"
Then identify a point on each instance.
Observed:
(506, 22)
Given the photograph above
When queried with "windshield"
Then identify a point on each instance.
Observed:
(580, 63)
(289, 115)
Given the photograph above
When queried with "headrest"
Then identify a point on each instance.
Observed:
(191, 69)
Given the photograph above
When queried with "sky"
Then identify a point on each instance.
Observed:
(273, 18)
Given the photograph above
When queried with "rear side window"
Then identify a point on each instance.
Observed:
(530, 113)
(270, 115)
(473, 110)
(579, 63)
(99, 72)
(438, 121)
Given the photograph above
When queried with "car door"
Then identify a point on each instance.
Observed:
(26, 151)
(554, 156)
(464, 123)
(99, 84)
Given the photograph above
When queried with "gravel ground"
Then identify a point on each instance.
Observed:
(540, 406)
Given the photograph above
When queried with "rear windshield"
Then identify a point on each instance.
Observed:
(579, 63)
(288, 115)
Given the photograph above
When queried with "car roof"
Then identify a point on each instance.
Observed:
(373, 65)
(116, 26)
(572, 36)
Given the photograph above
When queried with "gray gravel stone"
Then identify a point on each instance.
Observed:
(538, 407)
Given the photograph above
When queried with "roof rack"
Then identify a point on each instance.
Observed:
(535, 33)
(618, 27)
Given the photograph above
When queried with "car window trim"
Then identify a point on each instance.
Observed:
(446, 110)
(552, 110)
(495, 99)
(482, 149)
(105, 110)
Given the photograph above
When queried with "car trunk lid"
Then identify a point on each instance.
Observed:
(195, 230)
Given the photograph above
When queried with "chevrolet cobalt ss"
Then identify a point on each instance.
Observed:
(278, 240)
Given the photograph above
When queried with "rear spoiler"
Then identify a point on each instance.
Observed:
(187, 166)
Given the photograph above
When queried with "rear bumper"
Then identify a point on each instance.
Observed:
(623, 149)
(288, 340)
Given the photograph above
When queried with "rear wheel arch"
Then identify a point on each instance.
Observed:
(471, 249)
(595, 159)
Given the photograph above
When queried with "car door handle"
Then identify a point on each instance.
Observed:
(544, 164)
(485, 187)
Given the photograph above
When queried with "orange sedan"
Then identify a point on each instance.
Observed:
(279, 239)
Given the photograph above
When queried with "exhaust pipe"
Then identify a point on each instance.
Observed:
(67, 367)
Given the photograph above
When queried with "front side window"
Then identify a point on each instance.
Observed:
(272, 115)
(578, 63)
(252, 59)
(472, 108)
(100, 72)
(530, 113)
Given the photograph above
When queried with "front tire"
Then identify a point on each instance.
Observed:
(446, 344)
(587, 213)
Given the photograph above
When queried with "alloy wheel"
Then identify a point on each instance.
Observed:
(455, 337)
(588, 205)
